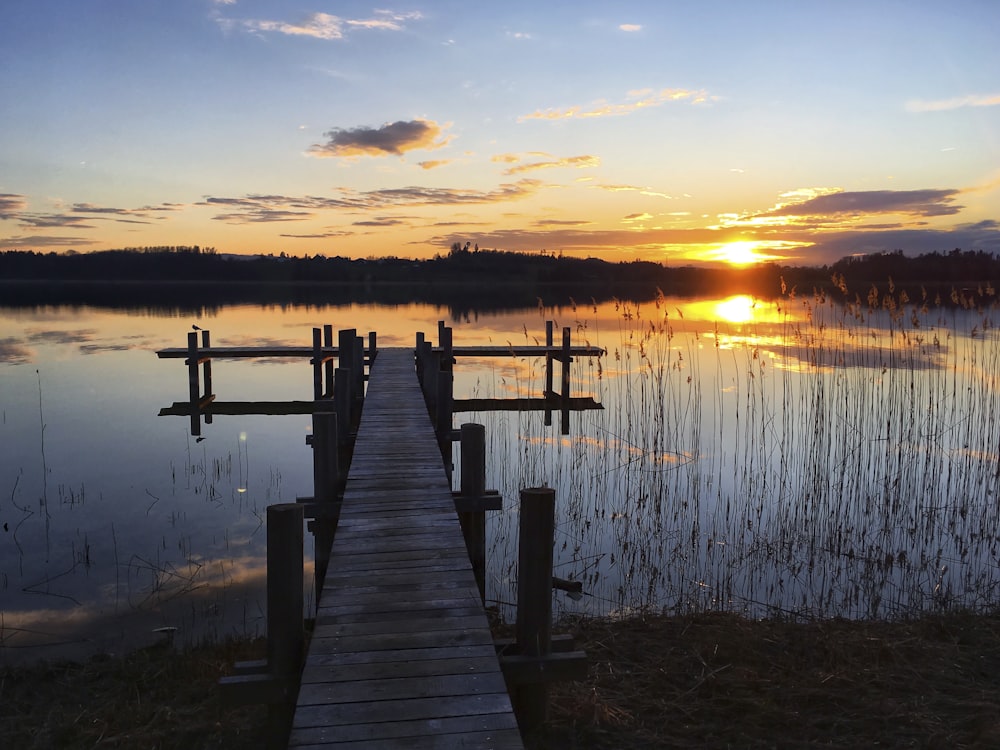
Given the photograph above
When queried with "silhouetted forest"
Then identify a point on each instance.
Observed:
(464, 279)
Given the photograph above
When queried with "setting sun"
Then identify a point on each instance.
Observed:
(742, 253)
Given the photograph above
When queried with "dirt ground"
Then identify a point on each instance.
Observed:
(707, 681)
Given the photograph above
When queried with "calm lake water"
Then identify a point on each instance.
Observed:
(794, 456)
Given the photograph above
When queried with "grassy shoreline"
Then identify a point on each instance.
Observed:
(699, 681)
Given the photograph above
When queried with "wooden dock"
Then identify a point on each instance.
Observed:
(402, 654)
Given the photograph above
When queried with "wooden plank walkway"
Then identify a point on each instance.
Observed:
(402, 654)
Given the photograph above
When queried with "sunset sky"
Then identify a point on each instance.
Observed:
(684, 131)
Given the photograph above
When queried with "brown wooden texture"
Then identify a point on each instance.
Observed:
(402, 654)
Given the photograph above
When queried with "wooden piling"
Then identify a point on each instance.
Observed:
(549, 325)
(326, 479)
(533, 628)
(473, 486)
(206, 369)
(328, 362)
(194, 383)
(547, 393)
(358, 370)
(285, 632)
(345, 344)
(566, 360)
(342, 402)
(317, 364)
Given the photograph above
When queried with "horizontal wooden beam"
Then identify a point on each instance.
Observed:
(490, 500)
(553, 402)
(245, 352)
(240, 408)
(522, 351)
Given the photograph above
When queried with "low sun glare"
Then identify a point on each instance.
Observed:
(741, 253)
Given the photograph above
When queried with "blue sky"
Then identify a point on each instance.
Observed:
(679, 132)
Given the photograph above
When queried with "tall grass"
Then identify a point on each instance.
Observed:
(824, 458)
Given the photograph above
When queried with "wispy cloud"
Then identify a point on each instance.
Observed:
(81, 215)
(578, 162)
(957, 102)
(42, 240)
(630, 27)
(324, 25)
(265, 208)
(433, 163)
(925, 203)
(11, 204)
(385, 221)
(635, 101)
(394, 138)
(633, 189)
(47, 221)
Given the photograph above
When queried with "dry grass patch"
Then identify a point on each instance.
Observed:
(154, 698)
(705, 681)
(723, 681)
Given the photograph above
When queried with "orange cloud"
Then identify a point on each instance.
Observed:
(394, 138)
(570, 161)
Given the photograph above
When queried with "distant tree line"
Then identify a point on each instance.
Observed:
(522, 274)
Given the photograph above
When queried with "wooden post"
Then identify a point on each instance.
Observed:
(564, 421)
(285, 632)
(345, 345)
(328, 363)
(317, 363)
(533, 629)
(432, 374)
(473, 485)
(548, 358)
(345, 342)
(372, 348)
(206, 369)
(447, 348)
(342, 400)
(418, 352)
(326, 475)
(547, 393)
(442, 419)
(194, 383)
(359, 372)
(566, 359)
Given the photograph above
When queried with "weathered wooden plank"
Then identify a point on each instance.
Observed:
(321, 644)
(392, 669)
(409, 731)
(404, 709)
(377, 558)
(433, 653)
(385, 571)
(395, 625)
(409, 543)
(506, 739)
(353, 611)
(396, 688)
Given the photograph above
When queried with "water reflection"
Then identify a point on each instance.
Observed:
(794, 455)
